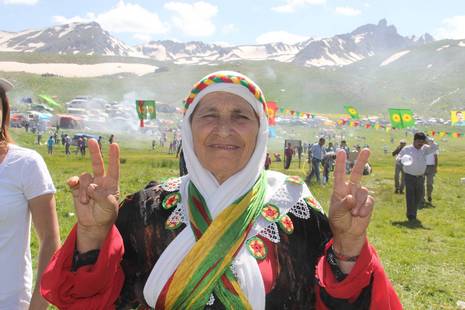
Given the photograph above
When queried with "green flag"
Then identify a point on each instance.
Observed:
(151, 110)
(146, 109)
(352, 112)
(407, 118)
(401, 118)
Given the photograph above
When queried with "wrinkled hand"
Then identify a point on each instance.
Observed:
(350, 206)
(96, 197)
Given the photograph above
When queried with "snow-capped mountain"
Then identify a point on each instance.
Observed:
(201, 53)
(74, 38)
(363, 42)
(339, 50)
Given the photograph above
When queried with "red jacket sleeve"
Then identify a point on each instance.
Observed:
(368, 265)
(90, 287)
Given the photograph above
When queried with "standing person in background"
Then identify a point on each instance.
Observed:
(55, 137)
(288, 152)
(39, 136)
(82, 147)
(182, 162)
(413, 159)
(99, 141)
(399, 182)
(50, 143)
(328, 161)
(67, 145)
(343, 146)
(431, 170)
(299, 152)
(318, 153)
(112, 139)
(26, 191)
(267, 161)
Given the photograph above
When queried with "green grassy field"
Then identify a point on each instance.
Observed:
(424, 262)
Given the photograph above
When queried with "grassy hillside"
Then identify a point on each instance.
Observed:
(425, 262)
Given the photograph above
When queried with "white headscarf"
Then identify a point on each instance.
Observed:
(217, 197)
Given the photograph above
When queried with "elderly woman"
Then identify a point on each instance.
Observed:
(26, 192)
(228, 235)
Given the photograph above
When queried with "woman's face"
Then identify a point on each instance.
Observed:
(224, 130)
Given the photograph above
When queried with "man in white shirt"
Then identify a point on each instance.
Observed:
(431, 170)
(413, 159)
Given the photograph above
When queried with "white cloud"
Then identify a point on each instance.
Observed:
(124, 17)
(347, 11)
(193, 19)
(280, 36)
(291, 5)
(142, 37)
(229, 28)
(451, 28)
(26, 2)
(76, 19)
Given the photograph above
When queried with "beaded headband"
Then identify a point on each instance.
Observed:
(226, 78)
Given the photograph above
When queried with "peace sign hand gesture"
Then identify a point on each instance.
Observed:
(95, 198)
(350, 206)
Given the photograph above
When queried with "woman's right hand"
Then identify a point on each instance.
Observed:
(95, 198)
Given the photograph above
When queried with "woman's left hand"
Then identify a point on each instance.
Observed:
(350, 206)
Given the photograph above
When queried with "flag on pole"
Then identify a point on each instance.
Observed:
(352, 112)
(145, 110)
(271, 110)
(401, 118)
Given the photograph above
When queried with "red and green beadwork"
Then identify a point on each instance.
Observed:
(171, 200)
(294, 179)
(226, 78)
(286, 224)
(312, 202)
(257, 248)
(270, 212)
(172, 224)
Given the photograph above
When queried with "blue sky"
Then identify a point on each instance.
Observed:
(239, 21)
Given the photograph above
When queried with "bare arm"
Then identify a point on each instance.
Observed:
(45, 222)
(429, 149)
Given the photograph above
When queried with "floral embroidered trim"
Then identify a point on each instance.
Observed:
(257, 248)
(171, 200)
(178, 217)
(172, 224)
(270, 212)
(171, 185)
(312, 202)
(286, 224)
